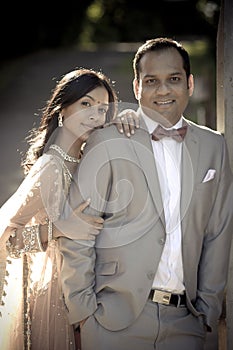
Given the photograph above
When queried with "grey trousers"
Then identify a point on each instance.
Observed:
(158, 327)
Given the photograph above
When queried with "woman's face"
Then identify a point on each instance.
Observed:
(87, 113)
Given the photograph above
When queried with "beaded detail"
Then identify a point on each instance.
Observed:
(50, 230)
(31, 241)
(26, 301)
(3, 274)
(64, 155)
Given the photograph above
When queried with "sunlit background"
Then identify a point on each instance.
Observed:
(43, 40)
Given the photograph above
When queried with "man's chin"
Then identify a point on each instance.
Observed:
(156, 116)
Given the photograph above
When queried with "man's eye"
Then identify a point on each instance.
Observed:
(150, 81)
(175, 79)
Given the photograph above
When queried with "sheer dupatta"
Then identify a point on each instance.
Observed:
(33, 314)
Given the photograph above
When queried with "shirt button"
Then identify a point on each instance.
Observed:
(150, 275)
(162, 241)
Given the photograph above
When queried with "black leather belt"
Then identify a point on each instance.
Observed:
(167, 298)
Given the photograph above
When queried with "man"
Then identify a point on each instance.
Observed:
(155, 277)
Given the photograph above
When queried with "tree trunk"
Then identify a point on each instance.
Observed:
(225, 125)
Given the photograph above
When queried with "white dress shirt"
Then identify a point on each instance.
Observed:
(167, 153)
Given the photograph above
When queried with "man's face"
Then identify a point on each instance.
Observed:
(162, 90)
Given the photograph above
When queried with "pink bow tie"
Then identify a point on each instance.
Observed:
(176, 134)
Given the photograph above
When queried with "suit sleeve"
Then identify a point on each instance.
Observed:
(213, 267)
(92, 181)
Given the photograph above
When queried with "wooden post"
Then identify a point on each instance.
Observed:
(225, 125)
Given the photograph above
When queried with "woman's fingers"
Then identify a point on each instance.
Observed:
(126, 126)
(127, 121)
(136, 119)
(88, 226)
(83, 206)
(95, 221)
(92, 220)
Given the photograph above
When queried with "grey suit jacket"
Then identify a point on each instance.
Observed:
(112, 279)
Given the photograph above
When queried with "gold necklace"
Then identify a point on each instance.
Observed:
(64, 155)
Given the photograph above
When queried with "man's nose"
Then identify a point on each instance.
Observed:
(162, 88)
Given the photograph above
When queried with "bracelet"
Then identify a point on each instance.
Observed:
(31, 241)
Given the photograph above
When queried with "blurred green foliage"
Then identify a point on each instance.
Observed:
(118, 25)
(86, 24)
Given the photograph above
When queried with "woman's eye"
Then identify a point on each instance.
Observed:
(102, 110)
(86, 104)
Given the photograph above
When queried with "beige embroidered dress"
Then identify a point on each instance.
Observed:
(33, 314)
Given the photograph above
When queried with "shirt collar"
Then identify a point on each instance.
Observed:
(151, 124)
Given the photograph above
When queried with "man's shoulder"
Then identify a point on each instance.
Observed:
(104, 134)
(203, 129)
(106, 131)
(103, 140)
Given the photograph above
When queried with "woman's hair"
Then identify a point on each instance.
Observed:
(72, 86)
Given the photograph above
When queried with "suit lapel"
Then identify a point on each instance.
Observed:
(190, 154)
(145, 156)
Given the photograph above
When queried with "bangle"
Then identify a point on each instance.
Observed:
(31, 241)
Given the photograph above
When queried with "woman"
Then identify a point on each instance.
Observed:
(81, 101)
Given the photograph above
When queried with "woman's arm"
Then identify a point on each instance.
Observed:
(24, 240)
(35, 238)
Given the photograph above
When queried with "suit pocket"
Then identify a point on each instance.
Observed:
(106, 269)
(206, 191)
(207, 184)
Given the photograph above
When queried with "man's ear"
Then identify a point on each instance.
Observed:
(136, 88)
(191, 84)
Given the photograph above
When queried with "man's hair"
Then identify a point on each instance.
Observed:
(160, 44)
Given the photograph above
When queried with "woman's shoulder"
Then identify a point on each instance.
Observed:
(44, 165)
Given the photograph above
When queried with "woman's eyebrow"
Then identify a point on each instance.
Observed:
(94, 100)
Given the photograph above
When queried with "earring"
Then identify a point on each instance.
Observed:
(60, 120)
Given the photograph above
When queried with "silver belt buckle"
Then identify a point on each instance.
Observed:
(161, 297)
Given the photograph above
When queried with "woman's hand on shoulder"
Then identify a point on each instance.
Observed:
(127, 121)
